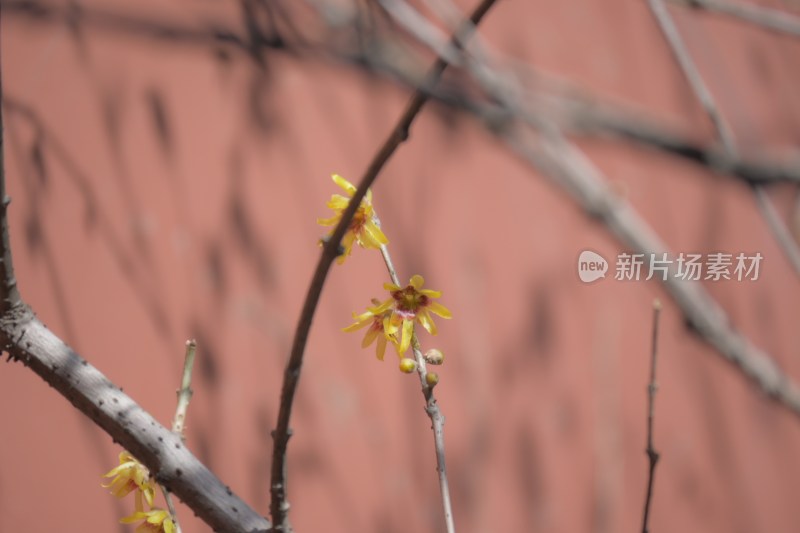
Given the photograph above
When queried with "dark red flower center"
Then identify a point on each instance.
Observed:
(359, 219)
(409, 301)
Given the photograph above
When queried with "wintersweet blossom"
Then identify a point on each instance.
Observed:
(363, 229)
(407, 305)
(155, 521)
(131, 475)
(376, 331)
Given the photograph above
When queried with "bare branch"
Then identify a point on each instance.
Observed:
(546, 150)
(778, 228)
(185, 392)
(279, 505)
(27, 340)
(691, 74)
(652, 454)
(586, 120)
(179, 421)
(682, 56)
(571, 169)
(770, 19)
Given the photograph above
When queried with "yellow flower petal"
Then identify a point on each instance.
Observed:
(370, 337)
(157, 516)
(333, 221)
(424, 318)
(391, 287)
(338, 202)
(380, 350)
(431, 294)
(355, 327)
(344, 184)
(149, 494)
(130, 475)
(135, 517)
(391, 324)
(375, 233)
(138, 505)
(405, 339)
(439, 309)
(382, 308)
(347, 244)
(417, 281)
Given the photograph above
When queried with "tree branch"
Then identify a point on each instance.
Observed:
(589, 119)
(27, 340)
(770, 19)
(279, 505)
(704, 96)
(779, 229)
(540, 142)
(652, 454)
(692, 75)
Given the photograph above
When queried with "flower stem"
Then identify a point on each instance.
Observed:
(389, 265)
(431, 407)
(171, 508)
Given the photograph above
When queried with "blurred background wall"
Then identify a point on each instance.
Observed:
(166, 180)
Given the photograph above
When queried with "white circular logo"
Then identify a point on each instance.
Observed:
(591, 266)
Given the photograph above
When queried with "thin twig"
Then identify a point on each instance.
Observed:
(691, 74)
(771, 19)
(279, 506)
(179, 422)
(703, 95)
(652, 454)
(779, 229)
(173, 513)
(185, 392)
(389, 265)
(431, 408)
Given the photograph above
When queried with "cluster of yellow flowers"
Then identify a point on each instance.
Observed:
(391, 321)
(132, 476)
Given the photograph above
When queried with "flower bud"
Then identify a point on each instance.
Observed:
(434, 356)
(431, 378)
(407, 365)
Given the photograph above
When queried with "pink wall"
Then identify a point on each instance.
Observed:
(176, 196)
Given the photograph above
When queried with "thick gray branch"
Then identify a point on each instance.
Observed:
(27, 340)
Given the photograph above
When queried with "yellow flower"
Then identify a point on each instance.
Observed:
(155, 521)
(376, 322)
(363, 228)
(131, 475)
(407, 305)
